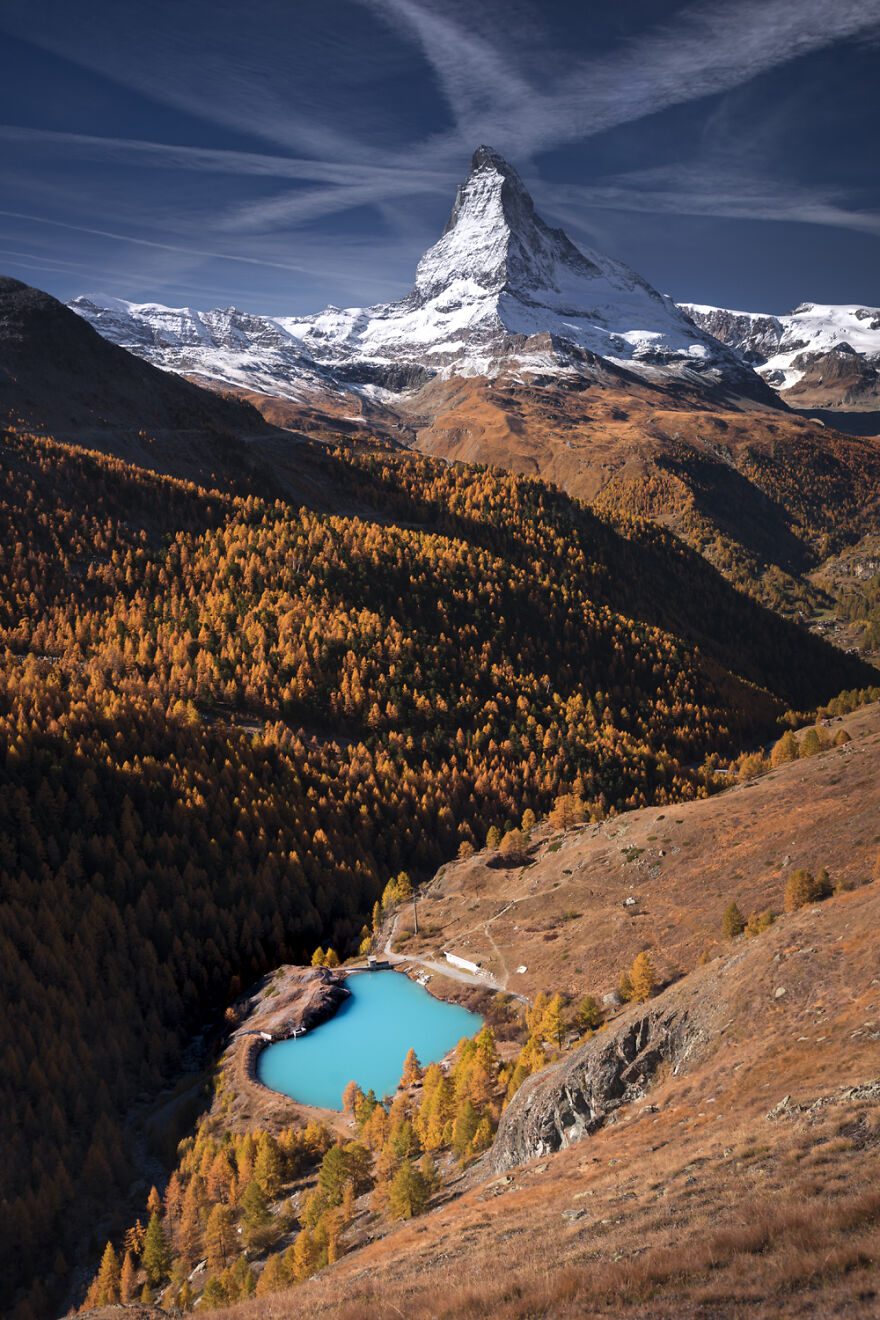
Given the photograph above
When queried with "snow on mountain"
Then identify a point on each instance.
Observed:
(783, 349)
(499, 291)
(223, 345)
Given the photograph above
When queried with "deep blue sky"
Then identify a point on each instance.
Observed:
(284, 154)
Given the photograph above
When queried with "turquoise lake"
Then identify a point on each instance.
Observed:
(367, 1041)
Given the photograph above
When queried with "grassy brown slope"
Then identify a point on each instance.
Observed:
(696, 1200)
(564, 916)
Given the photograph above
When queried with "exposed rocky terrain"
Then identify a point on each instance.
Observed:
(816, 357)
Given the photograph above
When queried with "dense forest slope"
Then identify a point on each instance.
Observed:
(226, 721)
(765, 495)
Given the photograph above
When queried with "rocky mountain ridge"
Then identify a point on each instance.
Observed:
(819, 355)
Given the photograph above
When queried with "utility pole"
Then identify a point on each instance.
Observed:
(415, 915)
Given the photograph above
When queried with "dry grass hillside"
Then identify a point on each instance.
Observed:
(588, 901)
(743, 1181)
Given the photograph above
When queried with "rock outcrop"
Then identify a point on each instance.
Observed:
(818, 356)
(576, 1096)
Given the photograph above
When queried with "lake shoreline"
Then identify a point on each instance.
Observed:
(280, 1005)
(277, 1007)
(367, 1040)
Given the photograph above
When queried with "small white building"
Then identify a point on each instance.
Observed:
(463, 963)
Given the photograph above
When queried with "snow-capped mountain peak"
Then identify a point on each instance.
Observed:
(495, 238)
(500, 290)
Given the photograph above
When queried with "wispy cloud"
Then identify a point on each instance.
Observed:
(703, 50)
(149, 243)
(703, 190)
(331, 103)
(166, 155)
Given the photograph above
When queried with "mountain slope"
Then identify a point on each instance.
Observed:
(517, 349)
(57, 374)
(713, 1152)
(501, 287)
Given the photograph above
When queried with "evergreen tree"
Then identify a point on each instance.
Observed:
(642, 978)
(553, 1022)
(108, 1277)
(758, 922)
(588, 1015)
(333, 1175)
(134, 1238)
(412, 1070)
(267, 1166)
(276, 1275)
(467, 1120)
(811, 743)
(213, 1295)
(786, 749)
(535, 1013)
(220, 1237)
(242, 1282)
(156, 1258)
(254, 1209)
(733, 922)
(513, 848)
(188, 1231)
(482, 1138)
(800, 889)
(305, 1257)
(127, 1279)
(408, 1194)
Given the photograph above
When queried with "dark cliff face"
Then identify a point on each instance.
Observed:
(840, 377)
(677, 1032)
(754, 338)
(575, 1097)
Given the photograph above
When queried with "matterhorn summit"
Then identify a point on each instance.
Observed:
(500, 292)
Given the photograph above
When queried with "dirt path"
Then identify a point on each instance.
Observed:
(484, 980)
